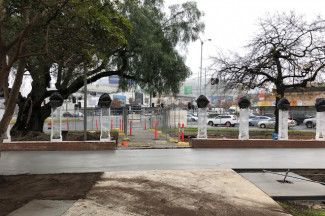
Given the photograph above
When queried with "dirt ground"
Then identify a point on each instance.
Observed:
(188, 193)
(157, 194)
(16, 191)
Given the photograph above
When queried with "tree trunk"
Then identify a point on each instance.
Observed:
(12, 100)
(31, 117)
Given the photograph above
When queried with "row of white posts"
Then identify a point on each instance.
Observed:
(56, 122)
(244, 124)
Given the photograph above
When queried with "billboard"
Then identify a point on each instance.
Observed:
(187, 90)
(121, 98)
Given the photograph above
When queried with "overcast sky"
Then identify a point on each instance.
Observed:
(231, 23)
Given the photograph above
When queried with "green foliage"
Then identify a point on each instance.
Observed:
(154, 60)
(301, 211)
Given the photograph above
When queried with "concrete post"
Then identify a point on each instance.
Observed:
(244, 105)
(283, 124)
(105, 128)
(243, 124)
(283, 106)
(56, 122)
(202, 103)
(320, 119)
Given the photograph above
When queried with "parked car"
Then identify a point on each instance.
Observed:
(270, 123)
(310, 122)
(257, 119)
(67, 114)
(212, 115)
(191, 117)
(226, 120)
(73, 115)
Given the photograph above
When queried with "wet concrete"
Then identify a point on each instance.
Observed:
(295, 188)
(159, 159)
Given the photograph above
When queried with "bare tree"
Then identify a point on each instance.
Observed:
(287, 52)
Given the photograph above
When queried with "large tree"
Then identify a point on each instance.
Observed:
(49, 33)
(146, 54)
(287, 52)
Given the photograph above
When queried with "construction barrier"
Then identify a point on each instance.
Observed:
(156, 130)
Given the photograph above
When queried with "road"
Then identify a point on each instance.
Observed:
(161, 159)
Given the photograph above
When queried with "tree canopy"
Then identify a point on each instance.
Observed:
(135, 40)
(287, 52)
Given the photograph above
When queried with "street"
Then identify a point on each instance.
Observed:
(160, 159)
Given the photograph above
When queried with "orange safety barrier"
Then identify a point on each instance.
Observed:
(156, 130)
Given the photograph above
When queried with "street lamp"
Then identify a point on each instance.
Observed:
(200, 75)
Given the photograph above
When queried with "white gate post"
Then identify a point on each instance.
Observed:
(202, 103)
(283, 106)
(244, 105)
(320, 119)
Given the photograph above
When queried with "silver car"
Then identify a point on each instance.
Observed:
(310, 122)
(270, 123)
(255, 120)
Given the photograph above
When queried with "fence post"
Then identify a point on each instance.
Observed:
(67, 123)
(131, 128)
(179, 132)
(145, 123)
(183, 132)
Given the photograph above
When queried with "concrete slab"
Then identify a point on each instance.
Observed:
(162, 159)
(44, 207)
(193, 192)
(297, 189)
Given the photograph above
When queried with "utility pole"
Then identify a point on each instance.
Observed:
(200, 75)
(85, 102)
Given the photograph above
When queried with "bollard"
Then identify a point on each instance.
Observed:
(156, 131)
(130, 128)
(183, 132)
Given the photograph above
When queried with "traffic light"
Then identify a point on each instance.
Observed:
(153, 105)
(74, 100)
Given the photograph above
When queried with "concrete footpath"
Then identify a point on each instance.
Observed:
(205, 192)
(158, 159)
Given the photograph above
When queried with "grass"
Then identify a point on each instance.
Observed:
(232, 133)
(296, 210)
